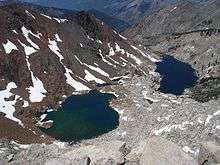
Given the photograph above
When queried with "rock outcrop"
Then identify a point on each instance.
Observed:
(209, 153)
(154, 150)
(163, 152)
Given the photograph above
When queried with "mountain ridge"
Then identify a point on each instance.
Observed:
(44, 59)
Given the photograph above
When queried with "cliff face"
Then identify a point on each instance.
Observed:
(43, 59)
(177, 18)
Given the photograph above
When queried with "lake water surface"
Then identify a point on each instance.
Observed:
(83, 117)
(176, 75)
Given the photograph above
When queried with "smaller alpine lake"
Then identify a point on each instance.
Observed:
(176, 75)
(82, 117)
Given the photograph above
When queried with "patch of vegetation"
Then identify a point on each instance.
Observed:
(207, 89)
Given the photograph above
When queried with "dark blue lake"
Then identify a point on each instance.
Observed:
(83, 117)
(176, 75)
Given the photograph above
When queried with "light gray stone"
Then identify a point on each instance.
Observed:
(163, 152)
(10, 157)
(135, 154)
(66, 161)
(100, 154)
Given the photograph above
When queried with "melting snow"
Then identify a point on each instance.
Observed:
(22, 146)
(7, 106)
(28, 50)
(46, 16)
(106, 61)
(26, 34)
(164, 105)
(145, 55)
(188, 150)
(14, 31)
(173, 9)
(111, 50)
(78, 86)
(53, 47)
(75, 84)
(169, 127)
(36, 91)
(59, 144)
(124, 38)
(137, 60)
(43, 116)
(118, 49)
(90, 77)
(9, 46)
(90, 38)
(60, 20)
(29, 14)
(97, 70)
(148, 98)
(99, 41)
(175, 101)
(211, 116)
(26, 104)
(58, 38)
(116, 95)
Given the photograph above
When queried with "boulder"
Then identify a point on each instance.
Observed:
(10, 157)
(209, 153)
(163, 152)
(68, 161)
(136, 152)
(102, 154)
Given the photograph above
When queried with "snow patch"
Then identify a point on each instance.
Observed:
(72, 82)
(124, 38)
(58, 38)
(54, 48)
(9, 46)
(43, 116)
(118, 49)
(37, 90)
(90, 38)
(26, 104)
(28, 50)
(14, 31)
(46, 16)
(7, 106)
(29, 14)
(149, 98)
(145, 55)
(169, 127)
(26, 33)
(90, 77)
(60, 20)
(173, 9)
(21, 146)
(137, 60)
(211, 116)
(97, 70)
(59, 144)
(188, 150)
(111, 50)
